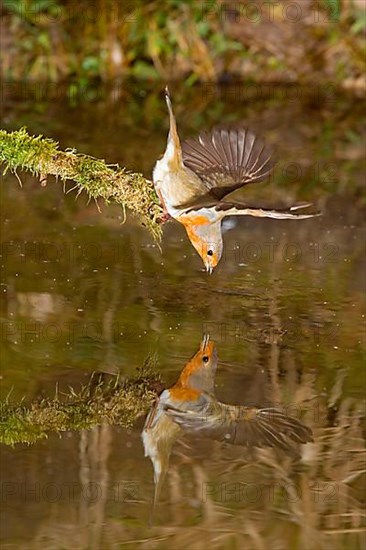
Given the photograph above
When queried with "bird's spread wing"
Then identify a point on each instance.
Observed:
(249, 426)
(237, 209)
(227, 159)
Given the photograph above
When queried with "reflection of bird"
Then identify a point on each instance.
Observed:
(160, 431)
(190, 405)
(191, 181)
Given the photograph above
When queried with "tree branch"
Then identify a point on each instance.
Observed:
(96, 403)
(41, 156)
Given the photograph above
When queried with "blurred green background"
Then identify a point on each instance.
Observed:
(208, 41)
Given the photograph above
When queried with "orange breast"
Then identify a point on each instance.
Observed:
(183, 394)
(190, 368)
(190, 220)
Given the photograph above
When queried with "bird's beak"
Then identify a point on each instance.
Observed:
(205, 341)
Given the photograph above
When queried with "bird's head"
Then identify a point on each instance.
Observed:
(206, 238)
(199, 373)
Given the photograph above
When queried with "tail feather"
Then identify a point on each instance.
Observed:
(159, 478)
(173, 132)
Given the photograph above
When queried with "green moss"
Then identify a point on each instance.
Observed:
(112, 402)
(41, 156)
(19, 150)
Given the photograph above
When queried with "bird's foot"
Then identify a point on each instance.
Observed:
(164, 218)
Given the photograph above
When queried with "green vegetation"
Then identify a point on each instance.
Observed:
(42, 157)
(94, 404)
(169, 39)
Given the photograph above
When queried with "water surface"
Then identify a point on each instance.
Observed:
(83, 292)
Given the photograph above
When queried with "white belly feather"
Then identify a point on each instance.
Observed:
(176, 187)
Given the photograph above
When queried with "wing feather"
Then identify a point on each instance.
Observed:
(246, 426)
(227, 159)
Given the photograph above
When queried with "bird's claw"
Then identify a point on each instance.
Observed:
(164, 218)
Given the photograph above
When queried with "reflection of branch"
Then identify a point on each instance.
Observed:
(41, 156)
(91, 406)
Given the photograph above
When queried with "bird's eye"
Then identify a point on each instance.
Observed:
(205, 359)
(210, 253)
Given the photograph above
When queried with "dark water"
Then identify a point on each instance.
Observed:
(82, 293)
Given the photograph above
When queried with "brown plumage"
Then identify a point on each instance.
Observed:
(190, 406)
(193, 179)
(240, 425)
(227, 159)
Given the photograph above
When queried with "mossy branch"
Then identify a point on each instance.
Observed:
(41, 156)
(96, 403)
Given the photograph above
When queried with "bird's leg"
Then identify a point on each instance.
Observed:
(152, 414)
(166, 216)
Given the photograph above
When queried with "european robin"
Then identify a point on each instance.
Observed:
(160, 431)
(192, 180)
(191, 406)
